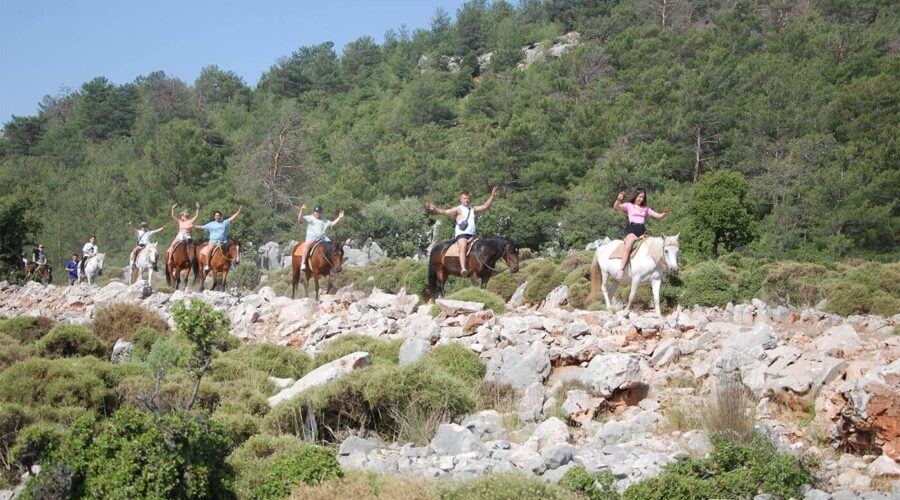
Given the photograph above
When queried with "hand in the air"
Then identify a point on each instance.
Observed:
(621, 196)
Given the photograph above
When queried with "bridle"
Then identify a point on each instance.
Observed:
(503, 255)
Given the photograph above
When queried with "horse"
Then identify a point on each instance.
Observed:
(183, 256)
(145, 261)
(39, 272)
(218, 261)
(323, 258)
(483, 255)
(92, 267)
(655, 255)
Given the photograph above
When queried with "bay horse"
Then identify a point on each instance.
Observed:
(219, 260)
(39, 272)
(182, 256)
(145, 261)
(324, 258)
(480, 262)
(655, 255)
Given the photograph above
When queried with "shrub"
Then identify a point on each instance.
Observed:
(57, 481)
(245, 277)
(733, 470)
(598, 486)
(124, 320)
(509, 486)
(542, 281)
(65, 341)
(239, 427)
(274, 360)
(311, 465)
(25, 329)
(139, 455)
(35, 443)
(707, 285)
(490, 300)
(457, 360)
(730, 410)
(506, 284)
(382, 352)
(867, 289)
(493, 395)
(81, 382)
(143, 340)
(252, 459)
(366, 486)
(12, 351)
(792, 283)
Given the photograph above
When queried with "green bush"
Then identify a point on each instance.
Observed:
(797, 284)
(598, 486)
(870, 288)
(252, 460)
(80, 382)
(505, 486)
(506, 284)
(542, 281)
(26, 329)
(239, 427)
(246, 277)
(382, 352)
(733, 470)
(139, 455)
(376, 398)
(65, 341)
(277, 361)
(35, 443)
(124, 320)
(311, 465)
(458, 361)
(490, 300)
(707, 284)
(12, 351)
(143, 340)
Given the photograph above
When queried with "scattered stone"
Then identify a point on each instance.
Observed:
(356, 444)
(453, 439)
(413, 349)
(121, 352)
(322, 375)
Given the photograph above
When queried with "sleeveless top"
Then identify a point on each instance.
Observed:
(469, 217)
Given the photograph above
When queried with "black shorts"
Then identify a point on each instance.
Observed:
(463, 237)
(635, 229)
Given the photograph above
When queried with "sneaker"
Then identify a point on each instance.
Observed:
(303, 267)
(464, 273)
(155, 269)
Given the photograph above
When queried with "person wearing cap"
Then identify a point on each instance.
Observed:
(316, 228)
(143, 238)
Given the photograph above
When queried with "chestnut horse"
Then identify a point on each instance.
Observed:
(219, 260)
(183, 257)
(481, 262)
(324, 258)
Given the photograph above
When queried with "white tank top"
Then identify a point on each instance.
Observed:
(469, 217)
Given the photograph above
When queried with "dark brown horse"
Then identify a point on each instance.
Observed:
(481, 262)
(218, 260)
(183, 257)
(324, 258)
(39, 272)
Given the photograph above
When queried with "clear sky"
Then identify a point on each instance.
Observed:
(50, 45)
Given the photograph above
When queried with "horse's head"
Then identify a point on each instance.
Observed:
(152, 252)
(98, 260)
(670, 251)
(511, 256)
(336, 257)
(234, 251)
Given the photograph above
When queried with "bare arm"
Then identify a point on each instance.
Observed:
(230, 219)
(618, 204)
(300, 214)
(659, 216)
(440, 211)
(157, 230)
(487, 204)
(196, 211)
(339, 218)
(173, 213)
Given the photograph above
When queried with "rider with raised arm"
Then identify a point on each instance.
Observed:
(185, 226)
(464, 227)
(87, 251)
(218, 233)
(637, 211)
(316, 228)
(143, 239)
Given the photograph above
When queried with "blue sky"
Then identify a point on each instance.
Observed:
(47, 46)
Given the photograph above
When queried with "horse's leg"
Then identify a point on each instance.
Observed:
(655, 285)
(635, 281)
(316, 279)
(306, 276)
(604, 277)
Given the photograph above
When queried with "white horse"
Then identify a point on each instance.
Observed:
(655, 255)
(92, 268)
(145, 261)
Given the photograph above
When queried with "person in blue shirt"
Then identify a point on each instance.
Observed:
(218, 232)
(72, 267)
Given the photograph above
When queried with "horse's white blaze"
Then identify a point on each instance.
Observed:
(648, 264)
(145, 261)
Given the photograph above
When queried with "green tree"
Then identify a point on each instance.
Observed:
(103, 110)
(22, 133)
(721, 212)
(21, 220)
(184, 156)
(216, 86)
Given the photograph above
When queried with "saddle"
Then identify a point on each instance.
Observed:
(308, 250)
(619, 251)
(452, 251)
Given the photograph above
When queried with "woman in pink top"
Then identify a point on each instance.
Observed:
(185, 226)
(637, 212)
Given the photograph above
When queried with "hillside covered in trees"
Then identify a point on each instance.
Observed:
(768, 126)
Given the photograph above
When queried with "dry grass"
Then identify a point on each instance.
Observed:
(492, 395)
(683, 415)
(730, 411)
(361, 486)
(124, 320)
(417, 423)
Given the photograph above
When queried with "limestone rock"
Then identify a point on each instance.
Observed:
(322, 375)
(520, 366)
(453, 439)
(121, 352)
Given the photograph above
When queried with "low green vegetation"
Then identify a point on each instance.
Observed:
(490, 300)
(380, 351)
(65, 341)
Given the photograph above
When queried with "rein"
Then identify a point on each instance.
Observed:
(219, 248)
(327, 257)
(494, 270)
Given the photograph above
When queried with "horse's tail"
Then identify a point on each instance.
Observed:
(432, 280)
(192, 252)
(595, 278)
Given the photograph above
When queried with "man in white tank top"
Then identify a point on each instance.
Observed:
(464, 228)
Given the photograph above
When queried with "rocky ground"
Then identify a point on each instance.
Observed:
(627, 392)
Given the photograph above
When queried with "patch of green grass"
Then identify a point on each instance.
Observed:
(490, 300)
(458, 361)
(382, 352)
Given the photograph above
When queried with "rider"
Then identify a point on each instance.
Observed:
(87, 251)
(316, 227)
(464, 228)
(637, 211)
(39, 257)
(218, 232)
(143, 239)
(185, 225)
(72, 267)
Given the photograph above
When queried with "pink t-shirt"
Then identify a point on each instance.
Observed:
(636, 213)
(185, 226)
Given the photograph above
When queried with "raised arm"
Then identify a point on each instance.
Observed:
(487, 204)
(657, 215)
(300, 214)
(173, 212)
(440, 211)
(618, 204)
(339, 218)
(158, 229)
(130, 226)
(196, 211)
(230, 219)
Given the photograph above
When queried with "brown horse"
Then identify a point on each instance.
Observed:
(183, 257)
(39, 272)
(480, 262)
(324, 258)
(219, 260)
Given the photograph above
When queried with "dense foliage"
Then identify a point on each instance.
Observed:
(788, 109)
